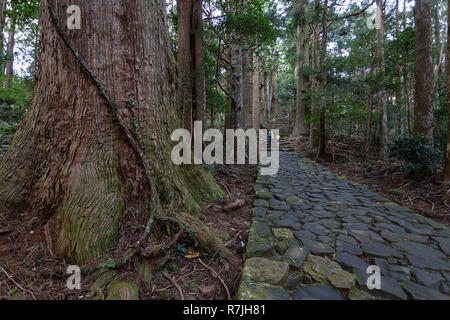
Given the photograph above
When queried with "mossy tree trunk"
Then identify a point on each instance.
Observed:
(69, 160)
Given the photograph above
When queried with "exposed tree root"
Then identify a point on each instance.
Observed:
(180, 292)
(217, 276)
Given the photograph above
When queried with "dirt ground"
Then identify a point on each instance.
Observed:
(425, 195)
(29, 271)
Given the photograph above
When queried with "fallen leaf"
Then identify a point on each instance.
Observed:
(192, 254)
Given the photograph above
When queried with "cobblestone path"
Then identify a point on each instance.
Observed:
(314, 234)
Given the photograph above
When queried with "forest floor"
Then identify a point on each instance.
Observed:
(425, 195)
(29, 271)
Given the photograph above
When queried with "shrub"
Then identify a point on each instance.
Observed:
(417, 157)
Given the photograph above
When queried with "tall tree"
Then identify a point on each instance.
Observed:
(9, 70)
(447, 162)
(275, 112)
(302, 50)
(382, 91)
(2, 37)
(247, 90)
(94, 148)
(256, 104)
(423, 111)
(191, 85)
(324, 80)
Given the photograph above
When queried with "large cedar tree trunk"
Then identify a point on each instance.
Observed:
(423, 111)
(69, 160)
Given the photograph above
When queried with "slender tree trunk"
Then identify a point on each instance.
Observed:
(237, 85)
(322, 129)
(198, 62)
(315, 100)
(184, 62)
(447, 162)
(423, 111)
(275, 103)
(9, 71)
(70, 162)
(398, 92)
(382, 93)
(302, 50)
(256, 106)
(247, 91)
(268, 97)
(2, 37)
(262, 96)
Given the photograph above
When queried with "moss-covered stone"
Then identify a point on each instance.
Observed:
(259, 248)
(357, 294)
(282, 246)
(264, 195)
(283, 234)
(250, 290)
(123, 290)
(101, 283)
(265, 270)
(326, 271)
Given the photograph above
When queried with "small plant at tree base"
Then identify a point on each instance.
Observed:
(417, 156)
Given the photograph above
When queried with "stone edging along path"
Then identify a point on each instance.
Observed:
(314, 234)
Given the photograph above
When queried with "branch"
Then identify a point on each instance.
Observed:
(354, 13)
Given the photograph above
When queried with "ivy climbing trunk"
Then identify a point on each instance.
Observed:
(70, 162)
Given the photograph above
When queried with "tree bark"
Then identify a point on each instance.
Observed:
(198, 62)
(256, 106)
(2, 37)
(9, 71)
(275, 104)
(70, 162)
(447, 162)
(247, 91)
(302, 53)
(237, 86)
(268, 97)
(383, 148)
(262, 96)
(315, 101)
(423, 111)
(184, 62)
(322, 129)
